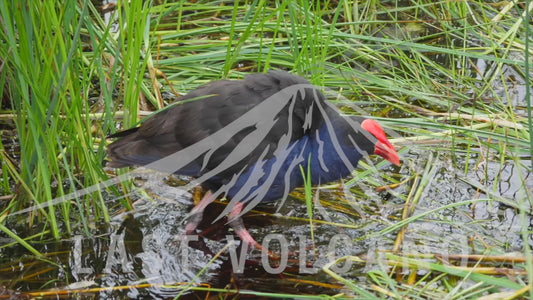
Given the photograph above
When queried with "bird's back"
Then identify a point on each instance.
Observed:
(227, 105)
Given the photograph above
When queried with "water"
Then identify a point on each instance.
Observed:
(149, 258)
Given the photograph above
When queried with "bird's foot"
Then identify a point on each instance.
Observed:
(197, 212)
(237, 225)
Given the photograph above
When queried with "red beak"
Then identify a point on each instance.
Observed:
(383, 146)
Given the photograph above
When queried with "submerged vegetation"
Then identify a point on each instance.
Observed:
(452, 79)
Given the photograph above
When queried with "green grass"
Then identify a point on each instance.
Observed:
(68, 79)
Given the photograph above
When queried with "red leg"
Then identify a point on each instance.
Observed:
(197, 212)
(236, 223)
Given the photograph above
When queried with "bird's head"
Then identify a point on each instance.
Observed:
(383, 146)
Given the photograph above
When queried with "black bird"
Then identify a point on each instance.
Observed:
(247, 139)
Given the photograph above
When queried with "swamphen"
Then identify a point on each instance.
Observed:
(246, 139)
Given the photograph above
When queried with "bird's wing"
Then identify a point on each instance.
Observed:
(237, 123)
